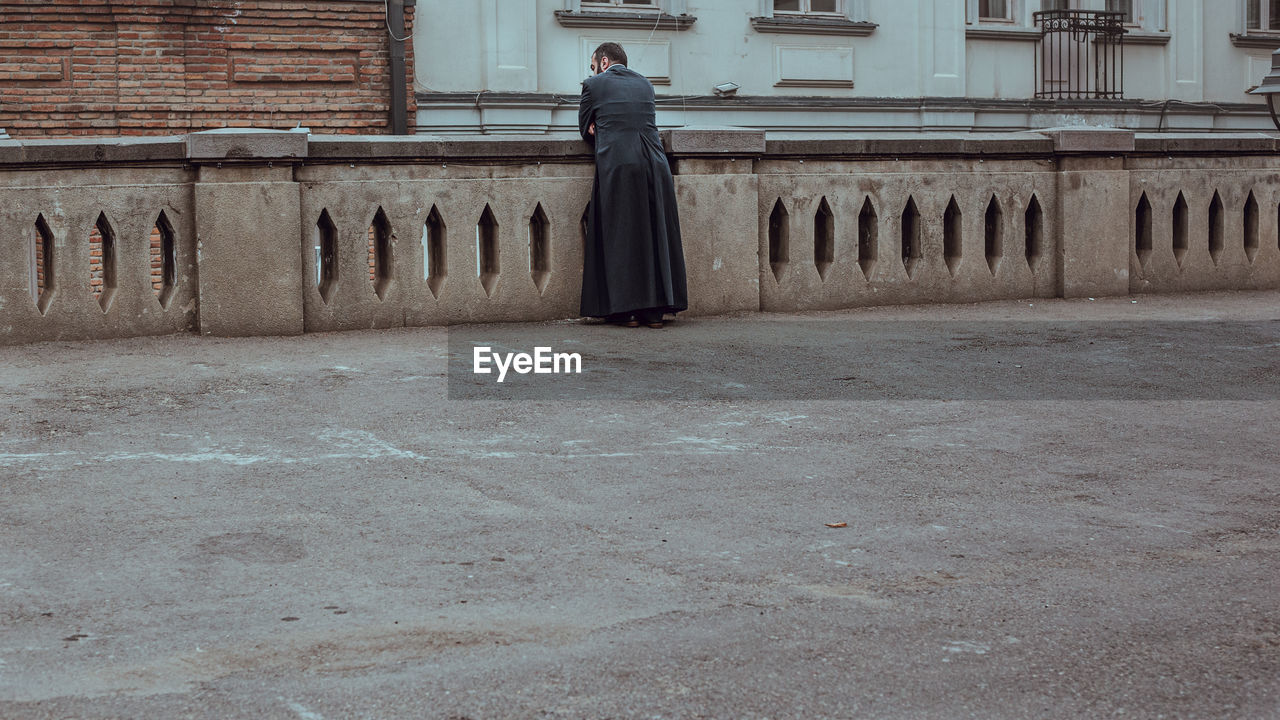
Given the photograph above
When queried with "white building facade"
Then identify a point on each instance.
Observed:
(832, 67)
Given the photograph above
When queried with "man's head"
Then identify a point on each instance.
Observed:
(610, 53)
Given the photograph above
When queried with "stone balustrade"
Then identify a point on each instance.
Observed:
(257, 233)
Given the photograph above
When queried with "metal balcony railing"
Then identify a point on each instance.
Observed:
(1080, 54)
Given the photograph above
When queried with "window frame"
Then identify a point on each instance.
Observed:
(1137, 18)
(1150, 17)
(857, 11)
(842, 10)
(1010, 18)
(1019, 15)
(1151, 27)
(607, 5)
(1264, 19)
(673, 7)
(659, 15)
(852, 20)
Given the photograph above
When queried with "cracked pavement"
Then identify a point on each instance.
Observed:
(316, 527)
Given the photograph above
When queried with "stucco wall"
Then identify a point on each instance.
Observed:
(523, 69)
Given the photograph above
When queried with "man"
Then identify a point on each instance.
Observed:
(633, 262)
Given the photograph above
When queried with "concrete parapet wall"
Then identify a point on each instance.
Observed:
(456, 208)
(47, 220)
(319, 233)
(1227, 211)
(246, 230)
(878, 209)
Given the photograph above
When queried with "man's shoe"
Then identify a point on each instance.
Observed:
(652, 318)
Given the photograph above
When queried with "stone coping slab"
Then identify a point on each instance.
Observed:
(292, 146)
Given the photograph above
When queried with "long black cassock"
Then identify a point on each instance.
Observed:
(633, 259)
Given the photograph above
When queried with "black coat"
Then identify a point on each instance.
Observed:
(633, 259)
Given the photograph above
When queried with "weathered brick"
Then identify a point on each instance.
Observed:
(82, 67)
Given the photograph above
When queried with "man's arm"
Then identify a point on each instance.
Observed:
(586, 116)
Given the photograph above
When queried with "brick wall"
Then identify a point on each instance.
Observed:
(143, 67)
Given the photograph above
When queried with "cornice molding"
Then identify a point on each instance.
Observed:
(1256, 40)
(1002, 33)
(624, 20)
(812, 26)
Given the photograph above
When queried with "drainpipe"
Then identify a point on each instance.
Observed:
(399, 96)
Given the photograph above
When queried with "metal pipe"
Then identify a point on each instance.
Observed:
(399, 85)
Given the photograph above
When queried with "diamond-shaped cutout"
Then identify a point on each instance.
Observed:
(102, 262)
(911, 252)
(326, 241)
(539, 248)
(487, 262)
(381, 247)
(1180, 240)
(1217, 231)
(1251, 240)
(779, 240)
(43, 278)
(993, 234)
(164, 260)
(824, 238)
(868, 237)
(951, 236)
(1142, 243)
(1034, 228)
(433, 252)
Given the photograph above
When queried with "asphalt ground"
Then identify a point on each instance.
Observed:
(1050, 509)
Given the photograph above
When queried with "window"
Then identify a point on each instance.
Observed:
(995, 10)
(1263, 15)
(649, 15)
(1001, 13)
(1125, 7)
(1148, 16)
(828, 7)
(814, 17)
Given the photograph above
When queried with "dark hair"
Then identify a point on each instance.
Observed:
(611, 50)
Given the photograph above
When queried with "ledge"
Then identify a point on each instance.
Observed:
(1146, 38)
(246, 144)
(812, 26)
(1010, 144)
(814, 83)
(334, 148)
(1001, 33)
(87, 151)
(687, 142)
(823, 102)
(624, 20)
(1200, 144)
(1090, 140)
(1256, 40)
(713, 141)
(1020, 34)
